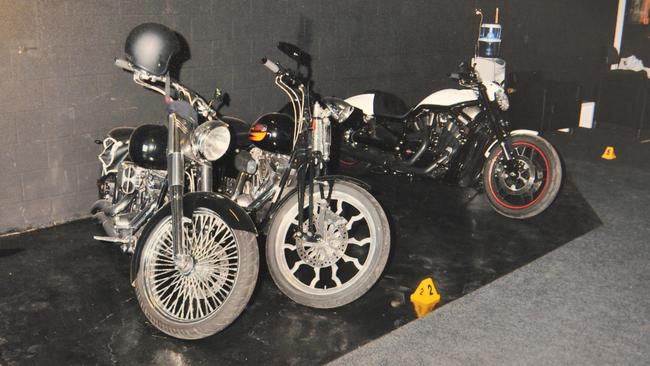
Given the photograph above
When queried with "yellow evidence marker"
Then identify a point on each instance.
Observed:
(609, 153)
(425, 297)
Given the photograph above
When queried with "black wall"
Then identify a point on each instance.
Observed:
(63, 93)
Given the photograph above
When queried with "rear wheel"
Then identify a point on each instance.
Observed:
(203, 294)
(527, 187)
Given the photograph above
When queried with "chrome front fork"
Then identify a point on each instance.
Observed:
(175, 179)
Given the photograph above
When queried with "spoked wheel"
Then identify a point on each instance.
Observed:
(529, 185)
(208, 288)
(345, 257)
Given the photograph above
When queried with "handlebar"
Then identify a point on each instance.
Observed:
(124, 64)
(147, 80)
(273, 66)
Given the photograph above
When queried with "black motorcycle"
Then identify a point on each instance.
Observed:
(327, 238)
(459, 134)
(195, 256)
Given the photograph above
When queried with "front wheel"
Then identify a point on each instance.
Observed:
(203, 294)
(528, 185)
(345, 257)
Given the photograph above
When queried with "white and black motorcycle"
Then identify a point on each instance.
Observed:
(458, 134)
(195, 255)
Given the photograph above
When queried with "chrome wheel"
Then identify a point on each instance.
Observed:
(337, 256)
(344, 256)
(526, 186)
(191, 287)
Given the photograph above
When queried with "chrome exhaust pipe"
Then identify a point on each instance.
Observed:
(99, 206)
(107, 224)
(105, 206)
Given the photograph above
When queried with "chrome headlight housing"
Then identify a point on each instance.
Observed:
(211, 140)
(502, 99)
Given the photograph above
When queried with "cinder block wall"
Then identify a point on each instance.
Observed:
(62, 92)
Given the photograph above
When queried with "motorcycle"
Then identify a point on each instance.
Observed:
(195, 256)
(461, 135)
(275, 162)
(327, 238)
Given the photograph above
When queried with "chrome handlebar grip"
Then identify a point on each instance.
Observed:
(271, 65)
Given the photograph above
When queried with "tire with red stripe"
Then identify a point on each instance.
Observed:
(528, 187)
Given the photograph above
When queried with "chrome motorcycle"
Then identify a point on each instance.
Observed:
(195, 256)
(327, 238)
(462, 135)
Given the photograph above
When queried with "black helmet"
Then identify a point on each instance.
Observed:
(150, 46)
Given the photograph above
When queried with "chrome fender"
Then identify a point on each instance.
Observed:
(512, 133)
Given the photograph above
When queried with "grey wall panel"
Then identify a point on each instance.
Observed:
(60, 96)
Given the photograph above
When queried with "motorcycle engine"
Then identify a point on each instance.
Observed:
(144, 184)
(448, 135)
(270, 168)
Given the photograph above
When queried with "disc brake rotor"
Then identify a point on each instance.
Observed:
(520, 180)
(330, 242)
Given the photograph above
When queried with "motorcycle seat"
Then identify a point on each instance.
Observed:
(122, 134)
(389, 105)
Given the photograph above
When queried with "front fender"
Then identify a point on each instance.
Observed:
(323, 178)
(343, 178)
(512, 133)
(233, 215)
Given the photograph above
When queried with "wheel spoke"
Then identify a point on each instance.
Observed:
(289, 246)
(316, 278)
(335, 277)
(352, 260)
(352, 220)
(360, 243)
(296, 266)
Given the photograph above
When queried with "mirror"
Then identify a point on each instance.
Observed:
(218, 95)
(295, 53)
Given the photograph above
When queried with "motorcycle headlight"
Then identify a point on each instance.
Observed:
(211, 140)
(502, 99)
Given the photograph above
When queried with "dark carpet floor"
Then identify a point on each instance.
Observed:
(65, 299)
(585, 303)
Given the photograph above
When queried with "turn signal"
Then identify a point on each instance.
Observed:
(425, 297)
(257, 133)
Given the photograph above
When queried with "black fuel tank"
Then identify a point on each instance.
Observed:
(238, 132)
(148, 147)
(273, 132)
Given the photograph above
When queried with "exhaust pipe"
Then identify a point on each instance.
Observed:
(105, 206)
(107, 224)
(367, 153)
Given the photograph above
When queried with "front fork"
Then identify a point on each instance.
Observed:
(175, 182)
(502, 134)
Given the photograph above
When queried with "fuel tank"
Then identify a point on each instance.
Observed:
(273, 132)
(448, 97)
(148, 147)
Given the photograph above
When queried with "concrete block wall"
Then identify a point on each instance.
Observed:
(62, 92)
